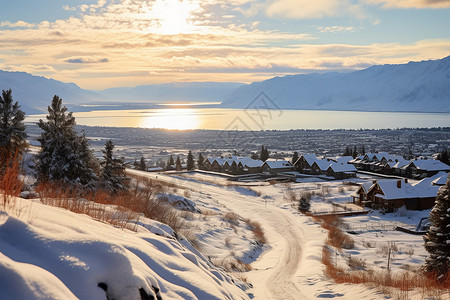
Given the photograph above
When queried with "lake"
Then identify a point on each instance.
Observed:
(239, 119)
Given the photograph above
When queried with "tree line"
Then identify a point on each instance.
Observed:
(64, 156)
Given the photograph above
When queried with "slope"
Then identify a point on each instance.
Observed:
(413, 87)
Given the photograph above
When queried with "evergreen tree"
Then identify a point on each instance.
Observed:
(438, 236)
(443, 157)
(304, 204)
(170, 163)
(142, 165)
(64, 155)
(363, 150)
(12, 128)
(178, 164)
(294, 157)
(347, 151)
(190, 161)
(264, 153)
(200, 161)
(355, 152)
(113, 172)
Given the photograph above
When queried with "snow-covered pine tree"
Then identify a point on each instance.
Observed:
(113, 172)
(437, 239)
(64, 157)
(190, 161)
(12, 129)
(294, 157)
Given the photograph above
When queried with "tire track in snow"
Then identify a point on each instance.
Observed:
(279, 282)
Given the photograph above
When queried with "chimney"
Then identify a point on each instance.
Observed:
(406, 180)
(374, 181)
(399, 184)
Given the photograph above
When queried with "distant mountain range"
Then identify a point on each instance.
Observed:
(412, 87)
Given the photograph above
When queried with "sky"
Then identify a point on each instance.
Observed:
(100, 44)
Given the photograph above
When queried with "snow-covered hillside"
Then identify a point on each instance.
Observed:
(35, 93)
(183, 91)
(414, 87)
(50, 253)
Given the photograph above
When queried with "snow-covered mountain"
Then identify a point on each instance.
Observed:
(182, 91)
(35, 93)
(414, 87)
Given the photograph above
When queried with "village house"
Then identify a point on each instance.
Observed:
(424, 168)
(341, 171)
(389, 195)
(276, 166)
(233, 165)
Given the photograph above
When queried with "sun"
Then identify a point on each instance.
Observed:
(174, 16)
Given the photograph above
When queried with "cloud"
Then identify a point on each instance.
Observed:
(412, 3)
(86, 60)
(18, 24)
(121, 44)
(336, 28)
(302, 9)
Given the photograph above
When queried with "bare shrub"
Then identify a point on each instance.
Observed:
(187, 193)
(369, 244)
(356, 263)
(339, 239)
(307, 194)
(341, 189)
(258, 231)
(232, 218)
(232, 264)
(410, 251)
(10, 185)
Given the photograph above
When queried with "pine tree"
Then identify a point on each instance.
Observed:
(190, 161)
(347, 152)
(170, 163)
(304, 204)
(113, 172)
(363, 150)
(142, 165)
(443, 157)
(178, 164)
(294, 157)
(355, 152)
(437, 239)
(12, 129)
(64, 155)
(264, 153)
(200, 161)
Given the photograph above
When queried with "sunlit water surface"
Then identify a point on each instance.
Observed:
(238, 119)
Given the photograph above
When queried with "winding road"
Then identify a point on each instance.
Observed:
(274, 274)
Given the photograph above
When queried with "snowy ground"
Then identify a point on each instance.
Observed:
(287, 266)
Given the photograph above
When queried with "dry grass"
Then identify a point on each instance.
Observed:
(232, 264)
(257, 230)
(232, 218)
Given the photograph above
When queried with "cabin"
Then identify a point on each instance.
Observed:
(304, 163)
(274, 167)
(424, 168)
(341, 171)
(389, 195)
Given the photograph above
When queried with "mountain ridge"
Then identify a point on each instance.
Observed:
(412, 87)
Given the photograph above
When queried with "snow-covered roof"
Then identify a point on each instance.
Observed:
(251, 163)
(277, 164)
(429, 165)
(310, 158)
(338, 167)
(344, 159)
(323, 164)
(391, 190)
(440, 178)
